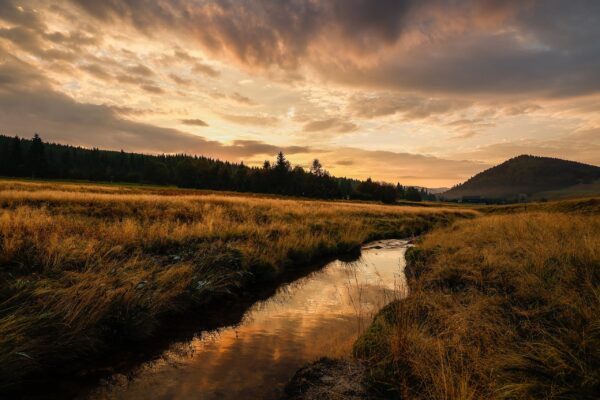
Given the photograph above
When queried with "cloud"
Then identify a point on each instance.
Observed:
(205, 69)
(583, 146)
(140, 70)
(134, 74)
(28, 31)
(132, 79)
(179, 80)
(152, 89)
(591, 135)
(247, 30)
(345, 162)
(25, 38)
(198, 65)
(467, 128)
(75, 39)
(470, 47)
(332, 124)
(409, 107)
(11, 13)
(97, 71)
(441, 72)
(242, 99)
(258, 147)
(466, 134)
(194, 122)
(258, 120)
(29, 104)
(489, 65)
(406, 168)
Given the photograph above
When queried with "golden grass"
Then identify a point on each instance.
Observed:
(83, 265)
(501, 307)
(581, 205)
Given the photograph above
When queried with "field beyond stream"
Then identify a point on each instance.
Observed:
(85, 268)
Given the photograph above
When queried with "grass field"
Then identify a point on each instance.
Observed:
(506, 306)
(85, 266)
(579, 190)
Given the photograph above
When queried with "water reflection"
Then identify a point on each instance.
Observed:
(319, 315)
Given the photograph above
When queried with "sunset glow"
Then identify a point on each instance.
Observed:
(422, 93)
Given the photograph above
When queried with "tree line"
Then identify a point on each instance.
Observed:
(33, 158)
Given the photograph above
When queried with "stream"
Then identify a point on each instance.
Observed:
(318, 315)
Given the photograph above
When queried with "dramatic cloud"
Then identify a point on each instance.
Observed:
(468, 46)
(417, 91)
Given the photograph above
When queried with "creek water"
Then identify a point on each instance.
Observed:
(318, 315)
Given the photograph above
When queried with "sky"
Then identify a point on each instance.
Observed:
(419, 92)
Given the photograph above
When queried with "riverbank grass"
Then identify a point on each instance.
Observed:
(500, 307)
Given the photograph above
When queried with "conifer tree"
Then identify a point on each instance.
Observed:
(36, 157)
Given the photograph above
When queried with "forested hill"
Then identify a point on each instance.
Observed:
(36, 159)
(524, 175)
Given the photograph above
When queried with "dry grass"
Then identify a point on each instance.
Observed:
(501, 307)
(582, 205)
(82, 266)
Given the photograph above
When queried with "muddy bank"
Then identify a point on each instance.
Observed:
(328, 379)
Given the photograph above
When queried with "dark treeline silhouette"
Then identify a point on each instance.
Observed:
(35, 159)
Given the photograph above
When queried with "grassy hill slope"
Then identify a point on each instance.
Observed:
(525, 174)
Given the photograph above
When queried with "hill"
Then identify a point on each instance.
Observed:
(525, 176)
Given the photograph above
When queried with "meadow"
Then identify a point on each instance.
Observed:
(84, 267)
(506, 306)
